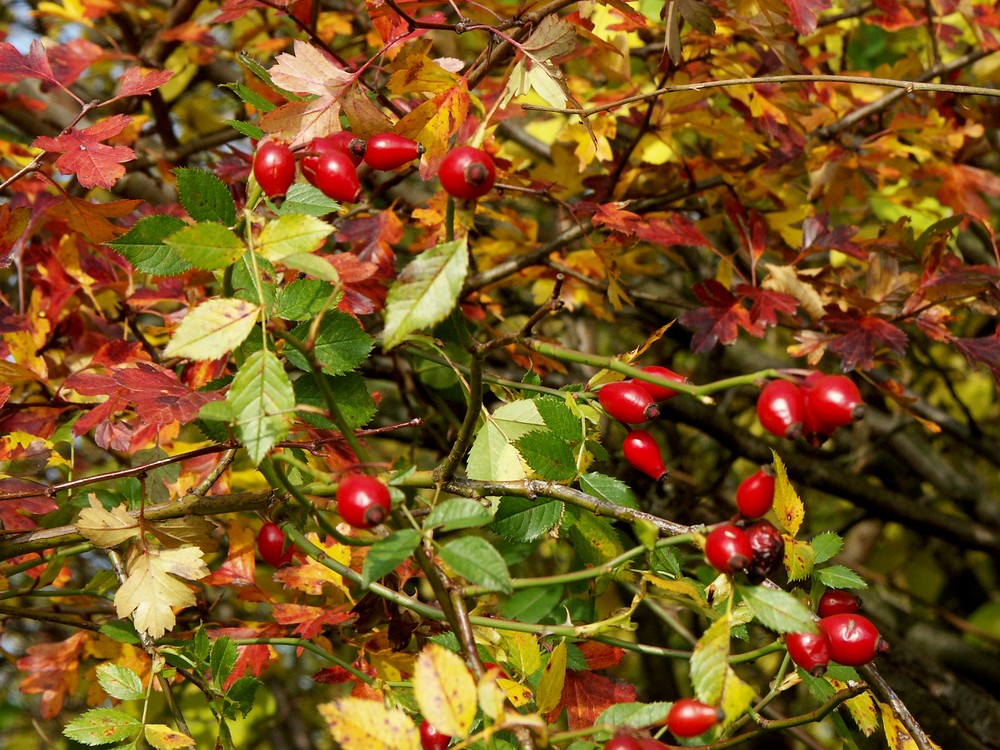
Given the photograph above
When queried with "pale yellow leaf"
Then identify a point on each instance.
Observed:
(788, 505)
(163, 737)
(736, 696)
(176, 532)
(106, 528)
(553, 680)
(492, 697)
(359, 724)
(445, 690)
(212, 329)
(151, 590)
(897, 736)
(291, 234)
(786, 280)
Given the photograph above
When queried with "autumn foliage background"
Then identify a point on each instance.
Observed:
(183, 360)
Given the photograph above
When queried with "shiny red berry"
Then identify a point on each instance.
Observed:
(643, 452)
(431, 738)
(659, 392)
(627, 402)
(689, 717)
(334, 174)
(837, 602)
(727, 548)
(274, 168)
(343, 140)
(363, 501)
(833, 401)
(781, 408)
(271, 545)
(768, 550)
(622, 742)
(854, 640)
(467, 173)
(755, 494)
(810, 651)
(391, 151)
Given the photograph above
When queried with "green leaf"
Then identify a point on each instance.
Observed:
(840, 577)
(145, 248)
(826, 545)
(204, 196)
(291, 234)
(426, 291)
(120, 682)
(121, 631)
(560, 419)
(458, 513)
(102, 726)
(632, 715)
(241, 694)
(207, 245)
(303, 198)
(388, 553)
(709, 661)
(594, 539)
(478, 562)
(531, 605)
(202, 644)
(548, 456)
(223, 659)
(253, 281)
(349, 393)
(303, 299)
(213, 328)
(609, 489)
(249, 96)
(521, 520)
(245, 128)
(493, 455)
(341, 344)
(262, 399)
(777, 609)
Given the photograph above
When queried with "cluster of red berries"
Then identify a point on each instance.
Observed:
(845, 636)
(634, 402)
(330, 163)
(813, 409)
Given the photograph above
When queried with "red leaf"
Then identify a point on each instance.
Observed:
(860, 337)
(982, 350)
(767, 304)
(141, 81)
(616, 218)
(159, 397)
(52, 670)
(14, 66)
(94, 163)
(720, 320)
(804, 13)
(69, 60)
(586, 695)
(15, 514)
(309, 621)
(601, 655)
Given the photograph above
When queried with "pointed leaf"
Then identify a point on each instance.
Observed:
(458, 513)
(263, 400)
(360, 724)
(710, 660)
(162, 737)
(478, 562)
(214, 328)
(550, 685)
(102, 726)
(341, 344)
(445, 690)
(291, 234)
(207, 245)
(787, 506)
(777, 609)
(204, 196)
(120, 682)
(153, 588)
(145, 248)
(388, 553)
(840, 577)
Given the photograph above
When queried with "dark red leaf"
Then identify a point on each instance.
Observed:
(804, 13)
(765, 304)
(586, 695)
(860, 337)
(721, 318)
(94, 163)
(14, 66)
(982, 350)
(141, 81)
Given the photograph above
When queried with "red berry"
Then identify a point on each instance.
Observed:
(648, 743)
(363, 501)
(854, 640)
(431, 738)
(833, 401)
(727, 548)
(781, 408)
(837, 602)
(755, 495)
(689, 717)
(271, 545)
(643, 452)
(391, 151)
(627, 402)
(622, 742)
(274, 167)
(768, 550)
(467, 173)
(343, 141)
(658, 392)
(334, 174)
(811, 651)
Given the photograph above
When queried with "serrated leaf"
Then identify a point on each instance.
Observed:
(632, 715)
(349, 392)
(106, 528)
(246, 129)
(777, 609)
(242, 692)
(787, 506)
(478, 562)
(162, 737)
(121, 632)
(212, 329)
(840, 577)
(120, 682)
(594, 539)
(303, 198)
(222, 659)
(303, 299)
(426, 291)
(102, 726)
(249, 96)
(532, 604)
(710, 660)
(559, 418)
(553, 680)
(207, 245)
(609, 488)
(897, 736)
(493, 455)
(152, 588)
(360, 724)
(340, 346)
(458, 513)
(736, 696)
(445, 690)
(522, 520)
(144, 247)
(262, 398)
(548, 457)
(291, 234)
(204, 196)
(826, 546)
(388, 553)
(253, 280)
(800, 559)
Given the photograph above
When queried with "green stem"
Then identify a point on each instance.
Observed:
(446, 469)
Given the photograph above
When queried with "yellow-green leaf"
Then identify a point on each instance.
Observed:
(163, 737)
(262, 399)
(787, 503)
(359, 724)
(207, 245)
(736, 696)
(709, 662)
(799, 559)
(445, 690)
(291, 234)
(212, 329)
(550, 686)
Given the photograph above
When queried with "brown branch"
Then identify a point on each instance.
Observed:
(887, 695)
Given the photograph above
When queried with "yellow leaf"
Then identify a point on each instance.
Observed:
(787, 503)
(445, 690)
(521, 650)
(359, 724)
(799, 559)
(492, 697)
(550, 686)
(312, 576)
(106, 528)
(897, 736)
(736, 697)
(862, 707)
(151, 590)
(70, 10)
(213, 328)
(709, 662)
(163, 737)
